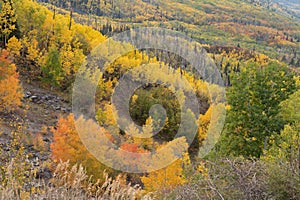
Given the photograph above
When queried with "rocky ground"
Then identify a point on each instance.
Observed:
(39, 112)
(43, 107)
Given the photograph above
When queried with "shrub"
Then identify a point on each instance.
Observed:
(10, 88)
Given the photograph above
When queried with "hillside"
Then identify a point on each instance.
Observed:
(150, 114)
(249, 24)
(292, 7)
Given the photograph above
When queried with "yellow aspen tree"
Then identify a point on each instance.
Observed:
(7, 20)
(204, 121)
(14, 46)
(110, 113)
(165, 179)
(67, 56)
(33, 53)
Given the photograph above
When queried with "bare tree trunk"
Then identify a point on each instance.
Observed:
(71, 14)
(71, 17)
(54, 12)
(113, 4)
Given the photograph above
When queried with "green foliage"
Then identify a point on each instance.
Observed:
(254, 100)
(289, 108)
(139, 109)
(52, 71)
(286, 146)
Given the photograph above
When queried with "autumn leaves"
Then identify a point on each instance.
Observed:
(10, 88)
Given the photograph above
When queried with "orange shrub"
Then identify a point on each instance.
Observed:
(10, 88)
(67, 146)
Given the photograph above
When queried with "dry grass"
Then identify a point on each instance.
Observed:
(68, 182)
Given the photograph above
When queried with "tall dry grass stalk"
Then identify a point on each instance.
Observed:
(68, 183)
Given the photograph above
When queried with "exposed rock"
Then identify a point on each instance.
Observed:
(27, 94)
(33, 97)
(44, 174)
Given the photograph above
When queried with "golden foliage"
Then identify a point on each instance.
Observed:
(10, 88)
(14, 46)
(164, 179)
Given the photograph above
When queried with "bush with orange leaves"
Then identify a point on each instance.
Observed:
(67, 146)
(10, 88)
